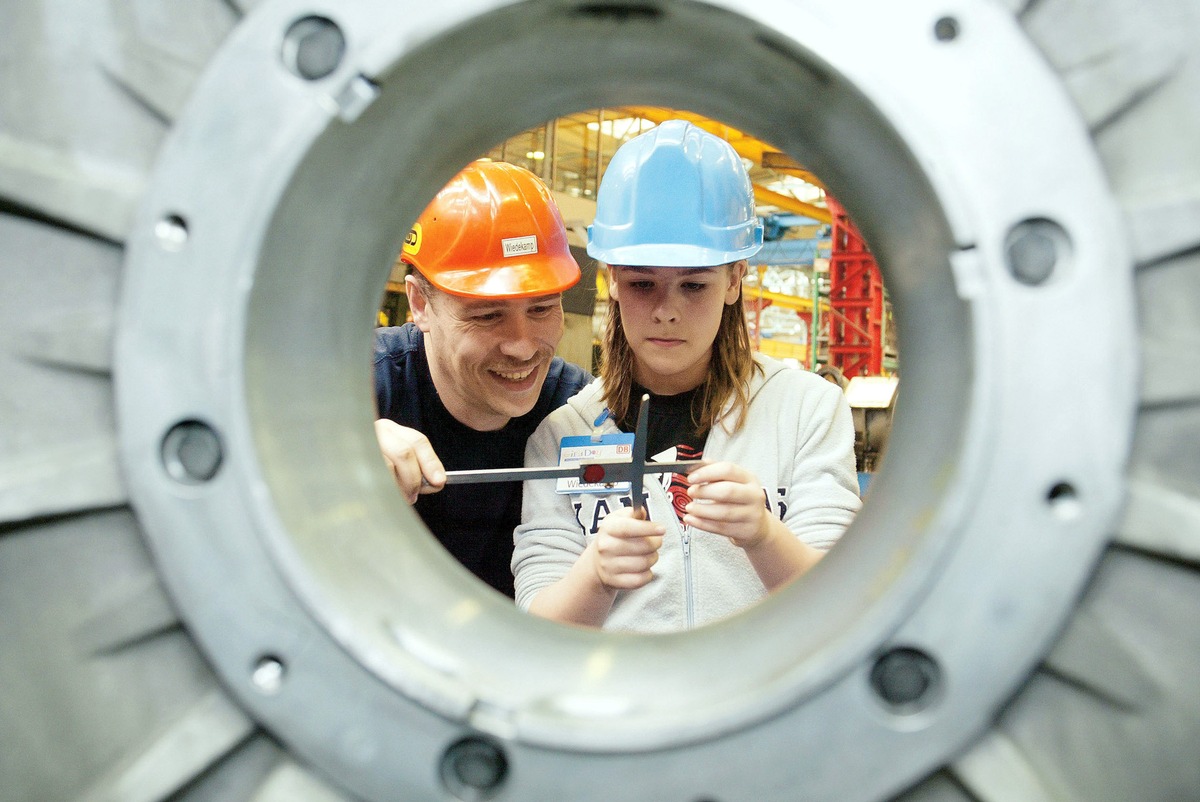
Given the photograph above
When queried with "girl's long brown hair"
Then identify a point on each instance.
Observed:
(729, 370)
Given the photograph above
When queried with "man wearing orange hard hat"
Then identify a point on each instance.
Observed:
(464, 385)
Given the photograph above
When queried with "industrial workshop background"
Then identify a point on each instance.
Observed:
(814, 296)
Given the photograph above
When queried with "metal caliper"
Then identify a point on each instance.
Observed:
(597, 472)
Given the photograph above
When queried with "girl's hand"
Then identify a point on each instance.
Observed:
(626, 548)
(728, 500)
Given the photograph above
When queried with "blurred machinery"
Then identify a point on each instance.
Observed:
(856, 298)
(872, 402)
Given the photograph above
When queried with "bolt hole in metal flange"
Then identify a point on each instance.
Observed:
(1036, 249)
(191, 452)
(399, 644)
(171, 232)
(313, 47)
(946, 29)
(1064, 501)
(268, 674)
(474, 769)
(906, 680)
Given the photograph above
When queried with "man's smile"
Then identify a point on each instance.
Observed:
(514, 376)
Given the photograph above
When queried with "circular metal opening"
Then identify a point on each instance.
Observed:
(906, 680)
(313, 47)
(313, 546)
(474, 769)
(1064, 501)
(730, 674)
(946, 29)
(268, 674)
(172, 232)
(191, 452)
(1036, 249)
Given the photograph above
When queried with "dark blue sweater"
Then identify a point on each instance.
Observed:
(474, 522)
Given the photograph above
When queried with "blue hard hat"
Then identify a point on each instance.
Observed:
(675, 196)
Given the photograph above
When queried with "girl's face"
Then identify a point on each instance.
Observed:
(670, 316)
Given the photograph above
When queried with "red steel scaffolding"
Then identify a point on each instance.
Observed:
(855, 300)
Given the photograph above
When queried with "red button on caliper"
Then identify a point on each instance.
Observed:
(593, 474)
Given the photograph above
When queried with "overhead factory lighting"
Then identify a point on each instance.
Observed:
(622, 127)
(797, 188)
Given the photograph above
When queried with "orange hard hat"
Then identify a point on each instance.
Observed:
(494, 231)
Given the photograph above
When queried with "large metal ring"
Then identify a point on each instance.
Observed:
(314, 139)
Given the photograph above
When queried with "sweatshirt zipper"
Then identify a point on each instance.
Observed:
(687, 578)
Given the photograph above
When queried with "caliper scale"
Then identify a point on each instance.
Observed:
(594, 472)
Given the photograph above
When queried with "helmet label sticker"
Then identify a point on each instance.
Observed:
(412, 242)
(519, 246)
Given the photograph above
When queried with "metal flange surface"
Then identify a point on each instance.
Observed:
(316, 137)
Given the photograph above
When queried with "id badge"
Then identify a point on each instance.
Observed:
(617, 447)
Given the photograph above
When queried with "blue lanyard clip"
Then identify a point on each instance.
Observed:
(600, 419)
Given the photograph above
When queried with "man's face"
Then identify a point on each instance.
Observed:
(489, 358)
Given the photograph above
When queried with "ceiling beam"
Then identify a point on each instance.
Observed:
(766, 197)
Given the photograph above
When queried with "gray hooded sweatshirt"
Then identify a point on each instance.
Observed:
(798, 440)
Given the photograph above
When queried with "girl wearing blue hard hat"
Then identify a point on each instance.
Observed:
(675, 224)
